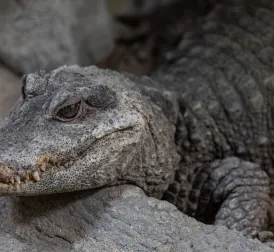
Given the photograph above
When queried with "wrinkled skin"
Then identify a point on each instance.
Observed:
(84, 128)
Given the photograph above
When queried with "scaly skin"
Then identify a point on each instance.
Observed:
(122, 129)
(224, 73)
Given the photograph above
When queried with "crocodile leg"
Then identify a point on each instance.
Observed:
(238, 192)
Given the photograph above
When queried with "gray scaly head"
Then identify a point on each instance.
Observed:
(81, 128)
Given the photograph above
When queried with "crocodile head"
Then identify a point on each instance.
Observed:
(82, 128)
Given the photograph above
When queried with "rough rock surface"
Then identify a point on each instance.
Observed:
(40, 34)
(112, 219)
(94, 28)
(10, 90)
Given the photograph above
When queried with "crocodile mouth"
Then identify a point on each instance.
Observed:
(10, 181)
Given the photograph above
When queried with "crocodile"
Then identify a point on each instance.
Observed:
(197, 132)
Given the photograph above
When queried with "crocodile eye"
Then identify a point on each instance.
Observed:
(69, 113)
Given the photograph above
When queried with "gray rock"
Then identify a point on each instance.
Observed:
(40, 34)
(94, 30)
(112, 219)
(10, 89)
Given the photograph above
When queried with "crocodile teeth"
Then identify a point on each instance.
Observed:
(27, 176)
(18, 180)
(12, 180)
(24, 176)
(36, 176)
(43, 167)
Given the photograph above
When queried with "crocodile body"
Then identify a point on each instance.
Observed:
(225, 78)
(198, 133)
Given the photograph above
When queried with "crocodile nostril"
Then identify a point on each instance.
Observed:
(5, 173)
